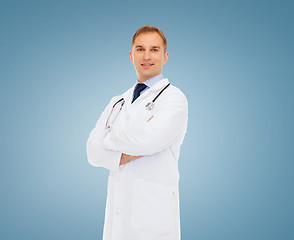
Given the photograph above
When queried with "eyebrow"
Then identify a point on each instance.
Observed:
(140, 46)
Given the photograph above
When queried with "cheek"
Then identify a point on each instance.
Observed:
(161, 61)
(135, 61)
(137, 58)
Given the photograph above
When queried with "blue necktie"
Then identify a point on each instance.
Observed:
(138, 89)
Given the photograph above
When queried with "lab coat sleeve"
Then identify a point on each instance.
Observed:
(99, 156)
(142, 137)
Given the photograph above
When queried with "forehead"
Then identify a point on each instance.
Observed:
(148, 39)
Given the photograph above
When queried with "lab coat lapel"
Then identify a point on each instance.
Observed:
(128, 95)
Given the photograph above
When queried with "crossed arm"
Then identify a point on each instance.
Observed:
(97, 155)
(134, 139)
(137, 137)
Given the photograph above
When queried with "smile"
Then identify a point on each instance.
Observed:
(147, 64)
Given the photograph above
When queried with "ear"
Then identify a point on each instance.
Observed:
(131, 57)
(166, 54)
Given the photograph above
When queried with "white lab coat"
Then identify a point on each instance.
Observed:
(143, 196)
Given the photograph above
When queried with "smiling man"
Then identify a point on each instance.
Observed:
(148, 54)
(138, 138)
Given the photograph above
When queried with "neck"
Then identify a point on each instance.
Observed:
(143, 79)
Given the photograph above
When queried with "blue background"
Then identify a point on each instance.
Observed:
(62, 61)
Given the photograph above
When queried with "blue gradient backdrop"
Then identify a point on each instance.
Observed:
(62, 61)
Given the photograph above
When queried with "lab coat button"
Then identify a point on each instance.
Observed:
(116, 213)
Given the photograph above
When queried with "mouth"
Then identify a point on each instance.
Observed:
(147, 65)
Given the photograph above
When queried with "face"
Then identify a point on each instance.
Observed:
(148, 55)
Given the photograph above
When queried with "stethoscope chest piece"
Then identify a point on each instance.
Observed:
(149, 106)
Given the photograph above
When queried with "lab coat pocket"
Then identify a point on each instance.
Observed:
(153, 205)
(146, 117)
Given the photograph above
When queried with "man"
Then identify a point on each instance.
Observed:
(138, 138)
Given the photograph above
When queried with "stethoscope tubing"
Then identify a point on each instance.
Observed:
(149, 105)
(160, 92)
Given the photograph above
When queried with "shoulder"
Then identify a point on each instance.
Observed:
(172, 90)
(114, 100)
(174, 94)
(172, 98)
(176, 91)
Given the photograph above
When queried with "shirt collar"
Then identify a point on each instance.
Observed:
(152, 81)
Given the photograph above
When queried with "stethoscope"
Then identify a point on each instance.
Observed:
(121, 101)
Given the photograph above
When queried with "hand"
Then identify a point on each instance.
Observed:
(127, 158)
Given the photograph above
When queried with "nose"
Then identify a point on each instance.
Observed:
(146, 55)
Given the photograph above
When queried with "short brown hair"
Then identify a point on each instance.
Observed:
(146, 29)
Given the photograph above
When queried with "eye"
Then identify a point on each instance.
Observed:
(155, 50)
(139, 49)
